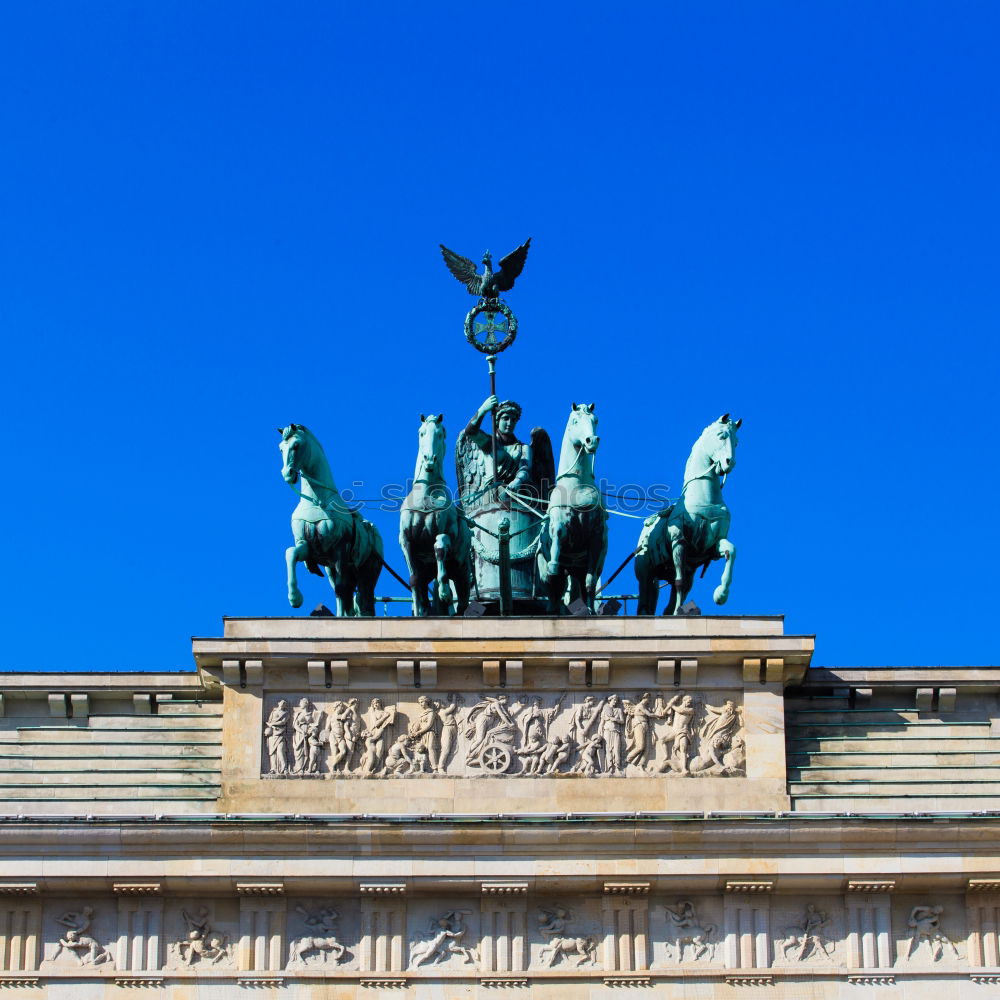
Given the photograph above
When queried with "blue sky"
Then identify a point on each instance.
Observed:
(222, 217)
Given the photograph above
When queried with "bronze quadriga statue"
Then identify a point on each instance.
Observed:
(326, 531)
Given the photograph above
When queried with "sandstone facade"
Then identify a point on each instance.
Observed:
(573, 807)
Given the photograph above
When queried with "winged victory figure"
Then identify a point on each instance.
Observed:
(490, 283)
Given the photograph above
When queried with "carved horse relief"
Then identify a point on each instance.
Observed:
(326, 531)
(694, 531)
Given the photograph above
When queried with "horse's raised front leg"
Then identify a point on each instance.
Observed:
(726, 551)
(293, 554)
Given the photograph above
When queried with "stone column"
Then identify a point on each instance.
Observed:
(747, 924)
(262, 926)
(869, 924)
(383, 927)
(20, 927)
(982, 904)
(626, 927)
(504, 921)
(140, 927)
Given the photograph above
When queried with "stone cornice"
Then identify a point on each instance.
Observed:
(870, 886)
(749, 886)
(136, 888)
(18, 888)
(260, 888)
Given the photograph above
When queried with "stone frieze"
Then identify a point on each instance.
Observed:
(504, 734)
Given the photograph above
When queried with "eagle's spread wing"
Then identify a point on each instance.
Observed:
(511, 266)
(464, 269)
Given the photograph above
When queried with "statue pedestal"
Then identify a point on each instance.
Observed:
(523, 714)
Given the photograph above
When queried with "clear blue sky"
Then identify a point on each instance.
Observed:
(216, 218)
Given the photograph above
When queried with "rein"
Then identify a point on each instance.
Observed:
(325, 504)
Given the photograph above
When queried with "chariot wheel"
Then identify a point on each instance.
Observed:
(496, 759)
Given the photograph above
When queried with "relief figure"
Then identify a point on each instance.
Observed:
(808, 939)
(321, 942)
(446, 933)
(85, 948)
(685, 928)
(378, 721)
(276, 738)
(448, 713)
(342, 734)
(201, 942)
(925, 925)
(559, 941)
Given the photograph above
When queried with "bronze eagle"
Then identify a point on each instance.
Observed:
(490, 283)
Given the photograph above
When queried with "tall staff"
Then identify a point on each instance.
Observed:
(490, 326)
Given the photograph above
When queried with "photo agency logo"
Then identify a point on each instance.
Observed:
(629, 498)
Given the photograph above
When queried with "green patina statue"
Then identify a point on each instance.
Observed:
(433, 534)
(693, 532)
(510, 484)
(326, 531)
(574, 538)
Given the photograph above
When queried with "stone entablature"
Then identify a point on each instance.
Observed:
(567, 934)
(535, 701)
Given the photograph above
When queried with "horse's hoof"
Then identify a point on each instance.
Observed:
(720, 596)
(295, 600)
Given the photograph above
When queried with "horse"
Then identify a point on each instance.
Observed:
(326, 531)
(585, 948)
(322, 946)
(700, 938)
(574, 536)
(433, 535)
(692, 532)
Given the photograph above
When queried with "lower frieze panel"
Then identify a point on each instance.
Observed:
(504, 938)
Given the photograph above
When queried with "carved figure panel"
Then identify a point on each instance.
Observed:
(931, 931)
(806, 930)
(80, 934)
(685, 930)
(631, 733)
(201, 934)
(565, 934)
(317, 936)
(444, 934)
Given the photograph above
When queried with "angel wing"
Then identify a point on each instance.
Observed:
(510, 266)
(543, 465)
(472, 470)
(465, 270)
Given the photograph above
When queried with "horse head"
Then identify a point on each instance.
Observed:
(431, 450)
(581, 431)
(294, 447)
(718, 444)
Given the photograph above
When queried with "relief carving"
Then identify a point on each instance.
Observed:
(202, 942)
(553, 925)
(78, 941)
(685, 928)
(808, 939)
(511, 735)
(322, 943)
(444, 941)
(925, 925)
(276, 737)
